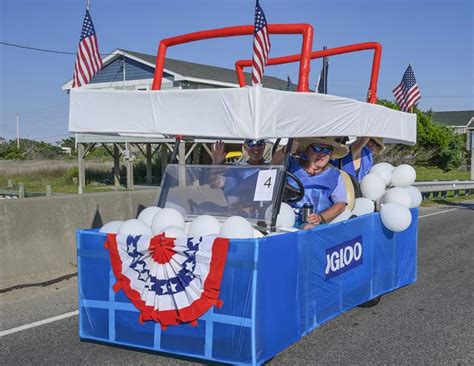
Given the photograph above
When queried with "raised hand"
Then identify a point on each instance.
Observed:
(218, 153)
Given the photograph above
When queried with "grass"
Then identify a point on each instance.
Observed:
(430, 173)
(60, 174)
(449, 199)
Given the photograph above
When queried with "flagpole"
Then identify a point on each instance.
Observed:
(88, 4)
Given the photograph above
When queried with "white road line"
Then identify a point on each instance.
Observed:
(38, 323)
(437, 213)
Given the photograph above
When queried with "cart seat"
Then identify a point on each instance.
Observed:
(352, 187)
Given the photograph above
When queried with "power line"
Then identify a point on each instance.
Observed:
(42, 49)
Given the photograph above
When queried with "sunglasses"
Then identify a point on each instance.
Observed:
(253, 143)
(320, 149)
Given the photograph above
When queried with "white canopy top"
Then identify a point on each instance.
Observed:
(250, 112)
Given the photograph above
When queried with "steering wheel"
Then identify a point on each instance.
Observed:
(293, 194)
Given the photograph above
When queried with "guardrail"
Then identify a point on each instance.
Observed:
(441, 188)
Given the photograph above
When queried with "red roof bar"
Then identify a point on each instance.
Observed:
(306, 30)
(377, 47)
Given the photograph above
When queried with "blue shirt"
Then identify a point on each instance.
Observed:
(321, 190)
(366, 163)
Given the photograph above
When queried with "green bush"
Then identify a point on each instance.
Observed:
(11, 152)
(437, 145)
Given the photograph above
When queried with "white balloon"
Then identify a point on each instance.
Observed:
(388, 165)
(342, 217)
(236, 227)
(167, 217)
(147, 214)
(181, 209)
(363, 206)
(397, 195)
(111, 227)
(135, 227)
(204, 225)
(372, 186)
(384, 171)
(285, 218)
(174, 232)
(415, 196)
(403, 176)
(395, 217)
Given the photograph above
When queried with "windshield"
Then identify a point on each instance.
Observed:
(222, 190)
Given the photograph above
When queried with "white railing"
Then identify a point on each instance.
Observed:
(438, 188)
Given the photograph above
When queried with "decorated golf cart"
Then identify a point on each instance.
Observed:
(257, 295)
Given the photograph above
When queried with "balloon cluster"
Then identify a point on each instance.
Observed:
(392, 191)
(154, 220)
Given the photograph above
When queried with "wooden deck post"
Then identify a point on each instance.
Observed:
(81, 169)
(116, 167)
(149, 175)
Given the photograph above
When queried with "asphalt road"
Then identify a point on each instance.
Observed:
(430, 322)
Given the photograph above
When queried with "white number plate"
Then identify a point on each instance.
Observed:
(265, 184)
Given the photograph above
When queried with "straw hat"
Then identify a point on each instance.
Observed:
(380, 145)
(339, 150)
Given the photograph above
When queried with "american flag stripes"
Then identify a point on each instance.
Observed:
(88, 61)
(261, 45)
(407, 93)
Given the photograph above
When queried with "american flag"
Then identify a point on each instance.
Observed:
(407, 93)
(261, 45)
(88, 61)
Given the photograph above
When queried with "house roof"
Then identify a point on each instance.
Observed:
(190, 70)
(453, 118)
(201, 71)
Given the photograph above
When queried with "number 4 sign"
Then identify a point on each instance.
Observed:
(265, 184)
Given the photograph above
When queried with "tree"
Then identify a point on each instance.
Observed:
(436, 145)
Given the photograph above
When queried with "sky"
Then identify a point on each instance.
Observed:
(435, 36)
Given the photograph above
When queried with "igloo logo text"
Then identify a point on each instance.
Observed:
(343, 257)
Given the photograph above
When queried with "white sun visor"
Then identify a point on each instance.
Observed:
(250, 112)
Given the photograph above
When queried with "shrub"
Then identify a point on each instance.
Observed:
(436, 144)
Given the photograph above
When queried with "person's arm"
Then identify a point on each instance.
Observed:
(332, 212)
(279, 156)
(358, 145)
(327, 215)
(218, 153)
(216, 178)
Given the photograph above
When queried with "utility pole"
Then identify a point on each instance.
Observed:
(17, 131)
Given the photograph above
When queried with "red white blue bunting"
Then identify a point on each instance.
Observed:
(170, 281)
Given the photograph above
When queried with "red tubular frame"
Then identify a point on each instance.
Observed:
(306, 30)
(377, 47)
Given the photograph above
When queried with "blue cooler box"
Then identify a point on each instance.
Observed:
(275, 290)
